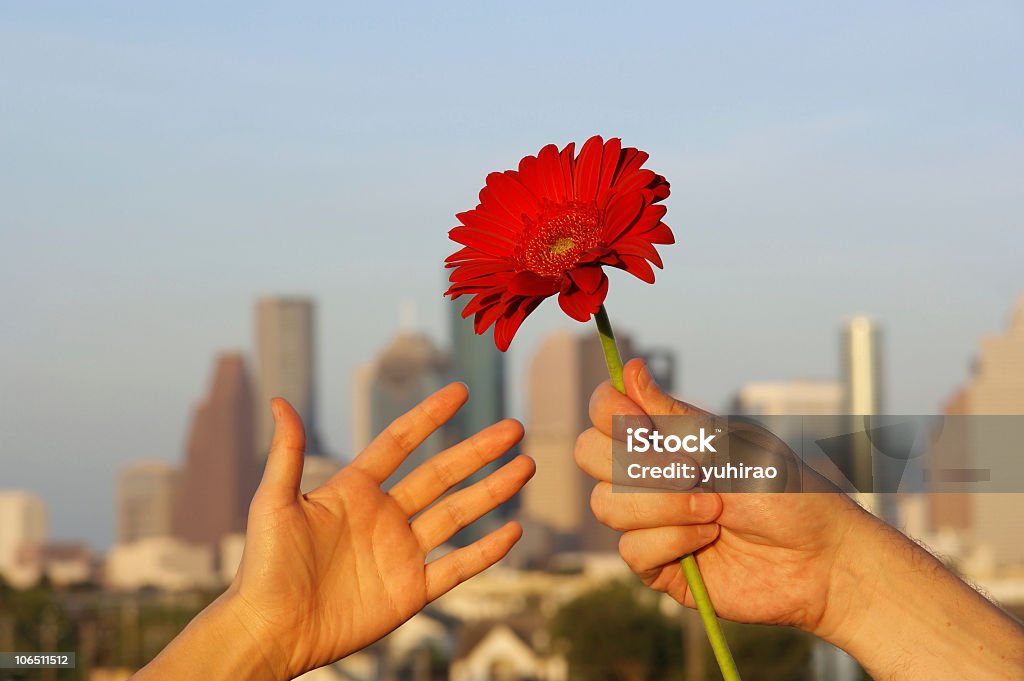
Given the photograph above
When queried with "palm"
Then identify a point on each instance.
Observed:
(766, 540)
(343, 539)
(331, 571)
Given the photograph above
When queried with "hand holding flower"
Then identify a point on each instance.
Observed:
(816, 561)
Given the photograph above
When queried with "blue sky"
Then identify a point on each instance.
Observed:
(161, 166)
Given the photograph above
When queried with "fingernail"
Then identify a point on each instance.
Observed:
(707, 531)
(644, 378)
(273, 410)
(701, 504)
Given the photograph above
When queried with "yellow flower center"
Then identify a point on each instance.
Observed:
(561, 245)
(553, 244)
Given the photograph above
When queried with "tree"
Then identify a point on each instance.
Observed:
(617, 632)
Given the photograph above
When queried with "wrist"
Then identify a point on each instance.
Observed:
(902, 615)
(222, 642)
(241, 625)
(858, 581)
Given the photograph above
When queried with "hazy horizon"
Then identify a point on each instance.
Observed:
(164, 167)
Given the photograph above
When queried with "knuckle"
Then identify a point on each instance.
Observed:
(443, 472)
(491, 488)
(400, 435)
(459, 568)
(488, 552)
(580, 448)
(456, 513)
(641, 512)
(401, 497)
(627, 549)
(598, 502)
(479, 452)
(430, 416)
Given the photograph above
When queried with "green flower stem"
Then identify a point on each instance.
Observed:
(693, 578)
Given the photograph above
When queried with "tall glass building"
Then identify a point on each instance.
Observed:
(479, 364)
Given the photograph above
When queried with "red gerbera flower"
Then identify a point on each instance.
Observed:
(550, 227)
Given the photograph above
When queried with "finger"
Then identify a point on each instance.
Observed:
(632, 508)
(438, 523)
(447, 572)
(606, 402)
(283, 470)
(389, 449)
(642, 389)
(437, 475)
(649, 549)
(593, 454)
(604, 459)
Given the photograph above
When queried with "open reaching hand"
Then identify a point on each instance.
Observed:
(328, 572)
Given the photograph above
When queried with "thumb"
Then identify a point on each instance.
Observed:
(281, 476)
(645, 391)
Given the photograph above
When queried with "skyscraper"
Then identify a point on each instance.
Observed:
(22, 529)
(145, 500)
(790, 398)
(563, 373)
(406, 372)
(480, 365)
(285, 367)
(990, 522)
(220, 474)
(861, 348)
(362, 419)
(554, 394)
(862, 366)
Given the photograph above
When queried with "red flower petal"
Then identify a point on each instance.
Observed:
(532, 177)
(647, 220)
(638, 267)
(567, 159)
(486, 221)
(506, 327)
(486, 242)
(551, 170)
(595, 255)
(588, 169)
(621, 215)
(481, 301)
(609, 163)
(530, 284)
(588, 279)
(639, 247)
(635, 181)
(511, 194)
(480, 268)
(660, 188)
(660, 234)
(630, 162)
(487, 316)
(579, 304)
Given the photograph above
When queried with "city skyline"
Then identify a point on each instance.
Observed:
(213, 487)
(319, 472)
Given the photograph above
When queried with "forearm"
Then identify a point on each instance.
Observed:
(217, 644)
(904, 616)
